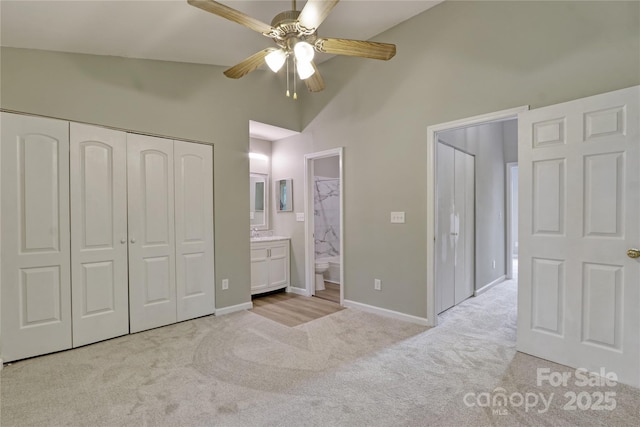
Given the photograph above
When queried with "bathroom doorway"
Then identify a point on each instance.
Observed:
(324, 235)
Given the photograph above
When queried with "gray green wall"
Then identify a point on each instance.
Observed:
(456, 60)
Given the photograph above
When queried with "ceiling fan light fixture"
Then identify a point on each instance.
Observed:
(303, 51)
(275, 60)
(305, 70)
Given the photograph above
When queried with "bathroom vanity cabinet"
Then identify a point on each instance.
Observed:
(269, 265)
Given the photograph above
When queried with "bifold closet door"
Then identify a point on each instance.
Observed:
(36, 289)
(446, 228)
(195, 283)
(455, 240)
(152, 279)
(465, 217)
(99, 271)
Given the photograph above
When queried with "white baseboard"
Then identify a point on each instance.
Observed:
(488, 286)
(387, 313)
(233, 308)
(298, 291)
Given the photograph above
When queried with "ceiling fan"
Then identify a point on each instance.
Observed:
(295, 34)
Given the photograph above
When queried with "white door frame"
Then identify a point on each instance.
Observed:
(432, 138)
(510, 219)
(309, 240)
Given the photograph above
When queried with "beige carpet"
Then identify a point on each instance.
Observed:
(349, 368)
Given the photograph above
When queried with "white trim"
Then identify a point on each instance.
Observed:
(509, 179)
(233, 308)
(488, 286)
(309, 243)
(386, 313)
(298, 291)
(431, 179)
(1, 365)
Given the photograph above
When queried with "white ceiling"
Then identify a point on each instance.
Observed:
(172, 30)
(268, 132)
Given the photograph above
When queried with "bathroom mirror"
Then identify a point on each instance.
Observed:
(258, 198)
(284, 194)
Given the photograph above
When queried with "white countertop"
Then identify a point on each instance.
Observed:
(268, 239)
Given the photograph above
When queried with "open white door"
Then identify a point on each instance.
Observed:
(579, 293)
(99, 272)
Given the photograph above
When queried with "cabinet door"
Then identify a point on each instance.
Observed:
(195, 282)
(279, 265)
(98, 233)
(36, 289)
(152, 284)
(259, 269)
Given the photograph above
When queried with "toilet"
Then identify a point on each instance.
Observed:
(322, 265)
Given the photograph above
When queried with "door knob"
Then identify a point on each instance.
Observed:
(133, 240)
(123, 241)
(633, 253)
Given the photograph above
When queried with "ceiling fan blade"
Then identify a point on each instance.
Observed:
(315, 83)
(314, 13)
(372, 50)
(248, 65)
(232, 15)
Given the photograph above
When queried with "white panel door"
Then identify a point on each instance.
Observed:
(152, 279)
(579, 293)
(465, 226)
(445, 228)
(195, 282)
(99, 272)
(36, 294)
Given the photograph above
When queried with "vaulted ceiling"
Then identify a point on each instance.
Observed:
(172, 30)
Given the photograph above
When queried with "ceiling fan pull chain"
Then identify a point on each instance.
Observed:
(295, 94)
(288, 94)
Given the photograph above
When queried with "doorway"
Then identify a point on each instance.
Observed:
(490, 266)
(324, 230)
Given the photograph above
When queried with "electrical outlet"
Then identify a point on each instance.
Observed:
(225, 284)
(397, 217)
(377, 284)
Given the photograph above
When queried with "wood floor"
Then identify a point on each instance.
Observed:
(291, 309)
(331, 292)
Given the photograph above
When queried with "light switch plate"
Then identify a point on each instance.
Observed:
(397, 217)
(225, 284)
(300, 216)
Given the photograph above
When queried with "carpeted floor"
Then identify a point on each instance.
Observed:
(347, 369)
